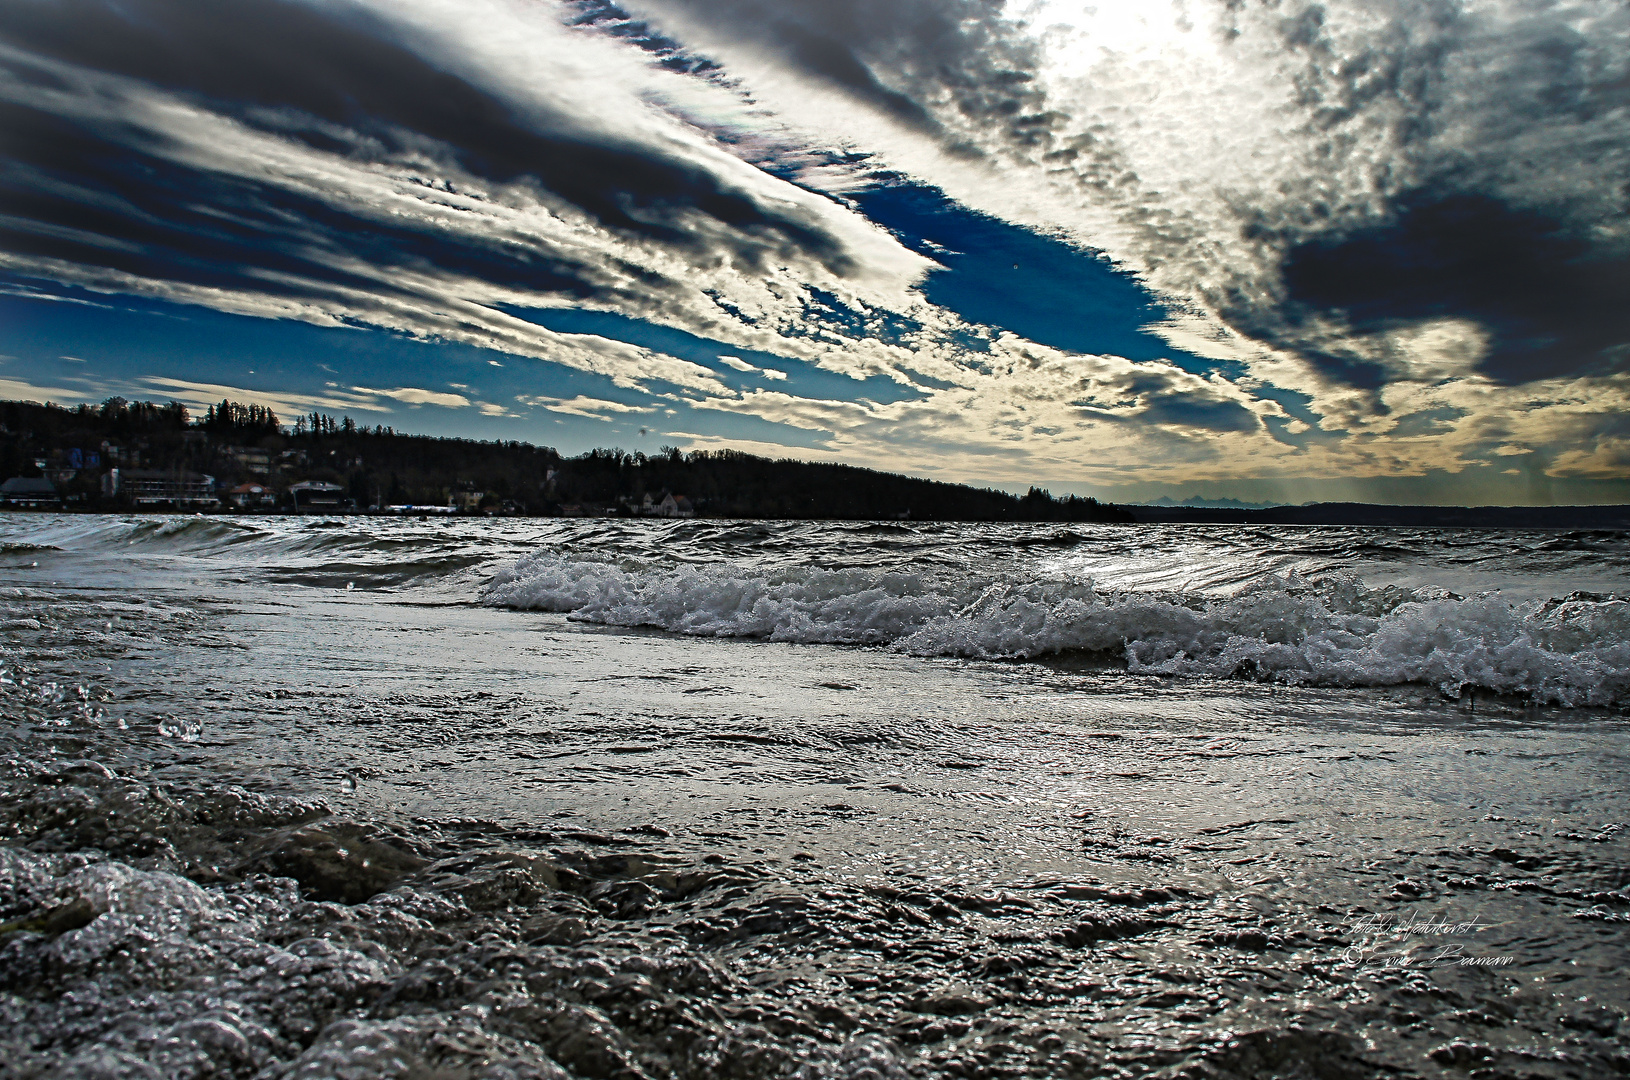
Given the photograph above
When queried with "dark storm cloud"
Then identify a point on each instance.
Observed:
(1507, 223)
(934, 65)
(77, 196)
(1513, 219)
(86, 188)
(1551, 304)
(343, 66)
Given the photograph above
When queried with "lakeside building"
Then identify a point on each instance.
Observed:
(675, 506)
(154, 487)
(252, 497)
(669, 506)
(318, 497)
(29, 491)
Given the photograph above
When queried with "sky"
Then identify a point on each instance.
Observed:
(1271, 250)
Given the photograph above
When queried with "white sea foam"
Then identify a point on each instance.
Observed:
(858, 607)
(1326, 631)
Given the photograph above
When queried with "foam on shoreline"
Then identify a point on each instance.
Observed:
(1324, 631)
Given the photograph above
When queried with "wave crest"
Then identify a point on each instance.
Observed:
(853, 607)
(1326, 631)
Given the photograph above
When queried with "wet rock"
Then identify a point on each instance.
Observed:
(690, 976)
(829, 1015)
(236, 808)
(419, 904)
(79, 805)
(1517, 859)
(335, 863)
(359, 924)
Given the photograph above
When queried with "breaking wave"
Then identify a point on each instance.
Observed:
(1327, 630)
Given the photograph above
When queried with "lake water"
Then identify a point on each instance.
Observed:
(509, 798)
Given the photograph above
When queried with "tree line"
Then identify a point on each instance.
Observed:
(379, 466)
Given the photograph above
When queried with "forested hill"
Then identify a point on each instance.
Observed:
(236, 444)
(728, 483)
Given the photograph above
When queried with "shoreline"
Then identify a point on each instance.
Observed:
(260, 826)
(1220, 927)
(1605, 518)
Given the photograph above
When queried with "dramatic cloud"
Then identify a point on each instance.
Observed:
(1327, 177)
(419, 167)
(1374, 237)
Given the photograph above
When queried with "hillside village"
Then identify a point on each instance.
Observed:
(143, 456)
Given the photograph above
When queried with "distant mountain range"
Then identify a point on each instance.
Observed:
(1211, 504)
(1424, 517)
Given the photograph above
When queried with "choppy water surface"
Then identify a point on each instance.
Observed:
(459, 798)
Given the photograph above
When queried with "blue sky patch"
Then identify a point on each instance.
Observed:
(1015, 279)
